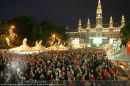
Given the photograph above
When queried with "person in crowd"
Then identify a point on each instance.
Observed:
(72, 64)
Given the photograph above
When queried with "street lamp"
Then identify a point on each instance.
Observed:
(12, 26)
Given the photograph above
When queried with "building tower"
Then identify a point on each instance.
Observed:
(111, 22)
(122, 21)
(67, 28)
(99, 20)
(88, 24)
(79, 25)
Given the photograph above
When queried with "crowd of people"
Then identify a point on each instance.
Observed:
(73, 64)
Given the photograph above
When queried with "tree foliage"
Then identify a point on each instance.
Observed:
(28, 27)
(3, 31)
(48, 28)
(3, 27)
(125, 34)
(25, 25)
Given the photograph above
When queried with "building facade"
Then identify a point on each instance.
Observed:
(104, 32)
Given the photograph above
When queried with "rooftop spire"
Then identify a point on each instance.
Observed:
(99, 17)
(79, 25)
(111, 22)
(88, 24)
(99, 8)
(67, 27)
(123, 21)
(79, 22)
(99, 1)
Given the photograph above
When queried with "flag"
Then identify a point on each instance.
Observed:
(128, 48)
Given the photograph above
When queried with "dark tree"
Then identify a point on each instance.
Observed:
(48, 28)
(125, 34)
(26, 26)
(3, 32)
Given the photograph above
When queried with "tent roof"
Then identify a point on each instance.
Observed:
(122, 57)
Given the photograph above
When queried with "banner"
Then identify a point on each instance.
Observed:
(128, 48)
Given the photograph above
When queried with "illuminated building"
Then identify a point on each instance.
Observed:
(89, 34)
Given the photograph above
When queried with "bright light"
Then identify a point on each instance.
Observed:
(12, 26)
(75, 41)
(14, 65)
(88, 45)
(111, 40)
(53, 35)
(97, 40)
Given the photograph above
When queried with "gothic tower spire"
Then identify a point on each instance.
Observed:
(79, 25)
(111, 22)
(122, 21)
(99, 20)
(67, 27)
(88, 24)
(99, 15)
(80, 22)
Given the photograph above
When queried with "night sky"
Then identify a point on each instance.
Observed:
(64, 12)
